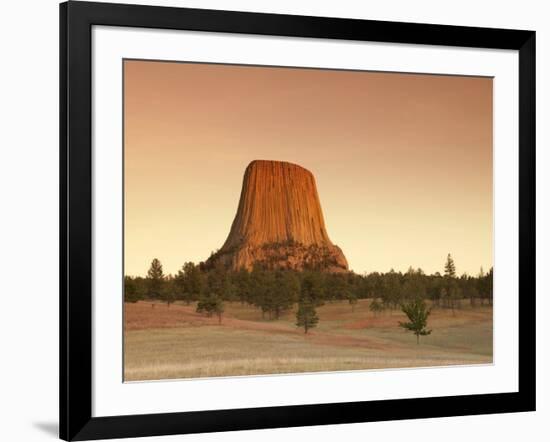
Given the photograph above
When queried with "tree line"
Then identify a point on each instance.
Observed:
(275, 292)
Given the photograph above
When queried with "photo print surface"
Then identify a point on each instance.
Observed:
(290, 220)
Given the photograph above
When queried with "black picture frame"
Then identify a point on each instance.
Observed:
(76, 21)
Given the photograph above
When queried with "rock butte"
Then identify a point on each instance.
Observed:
(279, 223)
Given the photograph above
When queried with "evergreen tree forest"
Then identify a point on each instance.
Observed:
(275, 292)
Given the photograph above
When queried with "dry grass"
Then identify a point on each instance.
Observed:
(176, 342)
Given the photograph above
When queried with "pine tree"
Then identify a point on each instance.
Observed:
(450, 286)
(218, 281)
(179, 286)
(417, 313)
(481, 272)
(489, 285)
(167, 293)
(131, 290)
(474, 294)
(260, 290)
(450, 269)
(352, 299)
(376, 306)
(155, 280)
(189, 282)
(211, 304)
(337, 287)
(306, 316)
(453, 295)
(413, 287)
(313, 287)
(241, 279)
(391, 289)
(284, 292)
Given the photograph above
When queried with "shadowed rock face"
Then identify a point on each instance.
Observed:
(279, 223)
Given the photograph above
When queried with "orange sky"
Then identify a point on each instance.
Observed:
(403, 162)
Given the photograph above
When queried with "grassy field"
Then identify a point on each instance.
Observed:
(176, 342)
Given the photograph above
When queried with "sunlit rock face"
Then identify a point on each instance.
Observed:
(279, 223)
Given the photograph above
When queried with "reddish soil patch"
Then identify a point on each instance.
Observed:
(145, 315)
(142, 316)
(375, 322)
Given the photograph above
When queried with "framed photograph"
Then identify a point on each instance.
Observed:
(274, 220)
